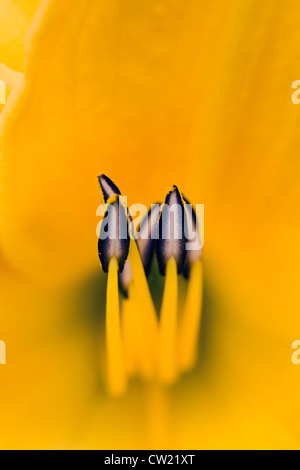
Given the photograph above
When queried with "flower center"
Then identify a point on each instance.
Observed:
(140, 342)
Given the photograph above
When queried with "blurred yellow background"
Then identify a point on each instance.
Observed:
(152, 93)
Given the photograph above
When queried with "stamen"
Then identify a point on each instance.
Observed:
(168, 326)
(129, 336)
(116, 376)
(191, 319)
(148, 235)
(172, 240)
(111, 242)
(137, 344)
(145, 305)
(125, 279)
(109, 189)
(136, 347)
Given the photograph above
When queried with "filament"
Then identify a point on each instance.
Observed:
(129, 336)
(168, 326)
(146, 311)
(191, 319)
(116, 375)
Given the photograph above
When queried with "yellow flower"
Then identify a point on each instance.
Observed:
(151, 93)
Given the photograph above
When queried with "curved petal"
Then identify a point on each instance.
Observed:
(9, 77)
(15, 18)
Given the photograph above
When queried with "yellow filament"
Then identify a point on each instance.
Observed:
(129, 336)
(146, 316)
(116, 375)
(191, 319)
(168, 326)
(136, 348)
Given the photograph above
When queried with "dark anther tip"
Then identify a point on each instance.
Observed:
(171, 241)
(108, 187)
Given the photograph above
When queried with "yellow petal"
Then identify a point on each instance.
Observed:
(9, 77)
(8, 80)
(15, 18)
(110, 88)
(192, 93)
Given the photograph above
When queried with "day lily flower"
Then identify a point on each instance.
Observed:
(150, 93)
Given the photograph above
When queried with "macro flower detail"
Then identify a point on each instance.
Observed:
(156, 346)
(148, 235)
(114, 236)
(172, 241)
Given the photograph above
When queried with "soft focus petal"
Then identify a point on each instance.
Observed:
(53, 364)
(109, 87)
(10, 78)
(15, 18)
(190, 93)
